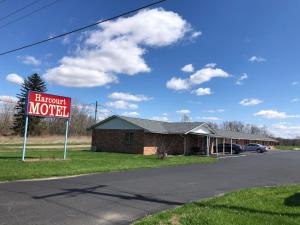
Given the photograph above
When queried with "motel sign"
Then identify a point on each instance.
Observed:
(47, 105)
(40, 104)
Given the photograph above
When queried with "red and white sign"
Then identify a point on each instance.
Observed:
(46, 105)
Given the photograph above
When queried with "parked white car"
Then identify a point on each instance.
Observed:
(255, 147)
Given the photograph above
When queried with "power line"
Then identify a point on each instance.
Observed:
(19, 10)
(81, 28)
(29, 14)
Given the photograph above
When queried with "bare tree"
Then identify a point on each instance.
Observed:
(238, 126)
(80, 120)
(213, 125)
(185, 118)
(6, 118)
(162, 146)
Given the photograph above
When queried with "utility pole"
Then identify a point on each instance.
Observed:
(96, 110)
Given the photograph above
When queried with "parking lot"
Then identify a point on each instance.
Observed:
(122, 197)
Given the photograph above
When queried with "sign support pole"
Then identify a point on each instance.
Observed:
(66, 139)
(25, 139)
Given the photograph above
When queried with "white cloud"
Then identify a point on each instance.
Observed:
(188, 68)
(241, 78)
(202, 91)
(211, 118)
(196, 34)
(286, 130)
(133, 114)
(211, 65)
(118, 47)
(160, 118)
(120, 104)
(15, 78)
(66, 40)
(207, 73)
(274, 114)
(295, 83)
(30, 60)
(258, 59)
(183, 111)
(250, 101)
(103, 114)
(203, 75)
(295, 100)
(215, 110)
(128, 97)
(8, 99)
(178, 84)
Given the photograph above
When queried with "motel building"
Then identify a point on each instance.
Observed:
(142, 136)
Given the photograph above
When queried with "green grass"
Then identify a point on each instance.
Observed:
(81, 162)
(257, 206)
(283, 147)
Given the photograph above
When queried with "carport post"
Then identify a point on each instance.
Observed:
(223, 146)
(207, 145)
(231, 146)
(184, 145)
(217, 149)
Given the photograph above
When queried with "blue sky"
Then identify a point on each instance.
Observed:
(244, 58)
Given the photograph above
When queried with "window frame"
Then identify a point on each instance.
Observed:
(129, 137)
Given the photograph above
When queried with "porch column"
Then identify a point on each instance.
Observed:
(223, 146)
(217, 149)
(231, 146)
(207, 145)
(184, 145)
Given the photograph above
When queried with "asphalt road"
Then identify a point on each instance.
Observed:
(120, 198)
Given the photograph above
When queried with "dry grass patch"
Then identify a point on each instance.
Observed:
(42, 140)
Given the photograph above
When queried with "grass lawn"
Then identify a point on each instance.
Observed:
(80, 162)
(257, 206)
(283, 147)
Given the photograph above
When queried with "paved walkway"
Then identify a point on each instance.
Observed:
(120, 198)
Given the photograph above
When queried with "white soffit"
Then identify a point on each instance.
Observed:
(201, 130)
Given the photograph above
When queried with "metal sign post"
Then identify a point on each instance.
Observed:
(66, 139)
(25, 139)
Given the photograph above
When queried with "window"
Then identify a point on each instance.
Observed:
(129, 138)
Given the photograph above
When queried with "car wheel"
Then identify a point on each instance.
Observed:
(259, 151)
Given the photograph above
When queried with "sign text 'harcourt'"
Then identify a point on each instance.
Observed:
(40, 104)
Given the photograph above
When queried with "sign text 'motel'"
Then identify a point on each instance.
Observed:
(40, 104)
(46, 105)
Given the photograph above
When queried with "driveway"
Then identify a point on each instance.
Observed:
(120, 198)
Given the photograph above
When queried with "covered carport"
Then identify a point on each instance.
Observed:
(232, 137)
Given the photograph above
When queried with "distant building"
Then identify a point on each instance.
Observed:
(143, 136)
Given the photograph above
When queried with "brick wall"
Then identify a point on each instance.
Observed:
(173, 143)
(112, 140)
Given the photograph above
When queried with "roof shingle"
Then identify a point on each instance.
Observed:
(162, 127)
